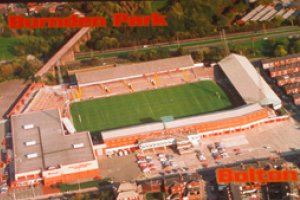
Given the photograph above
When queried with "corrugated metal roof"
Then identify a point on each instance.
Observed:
(248, 82)
(131, 70)
(217, 116)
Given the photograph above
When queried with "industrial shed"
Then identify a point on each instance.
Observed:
(248, 82)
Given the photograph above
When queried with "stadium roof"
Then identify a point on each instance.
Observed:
(248, 82)
(133, 70)
(49, 146)
(216, 116)
(187, 121)
(133, 130)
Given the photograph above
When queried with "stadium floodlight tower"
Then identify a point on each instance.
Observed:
(59, 72)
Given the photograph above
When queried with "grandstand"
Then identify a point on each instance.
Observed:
(248, 82)
(137, 70)
(218, 120)
(130, 78)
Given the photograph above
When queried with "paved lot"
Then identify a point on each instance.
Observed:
(120, 168)
(22, 193)
(9, 91)
(281, 137)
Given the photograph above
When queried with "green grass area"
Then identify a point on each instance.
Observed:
(149, 106)
(6, 44)
(155, 196)
(216, 42)
(97, 183)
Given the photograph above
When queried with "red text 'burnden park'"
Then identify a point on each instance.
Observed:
(73, 21)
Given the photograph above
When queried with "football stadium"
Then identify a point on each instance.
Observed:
(171, 102)
(148, 106)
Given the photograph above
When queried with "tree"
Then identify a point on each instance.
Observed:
(6, 71)
(296, 46)
(280, 51)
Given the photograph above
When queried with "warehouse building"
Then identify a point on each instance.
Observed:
(248, 82)
(43, 152)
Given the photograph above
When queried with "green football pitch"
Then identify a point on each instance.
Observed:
(148, 106)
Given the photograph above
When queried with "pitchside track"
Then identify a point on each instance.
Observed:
(149, 106)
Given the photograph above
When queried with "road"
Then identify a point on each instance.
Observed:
(198, 42)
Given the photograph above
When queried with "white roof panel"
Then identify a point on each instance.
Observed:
(248, 82)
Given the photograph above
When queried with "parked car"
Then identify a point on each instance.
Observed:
(161, 155)
(148, 157)
(214, 151)
(3, 190)
(220, 150)
(217, 156)
(140, 157)
(219, 145)
(201, 157)
(153, 169)
(146, 170)
(169, 157)
(267, 147)
(210, 147)
(174, 164)
(225, 155)
(143, 165)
